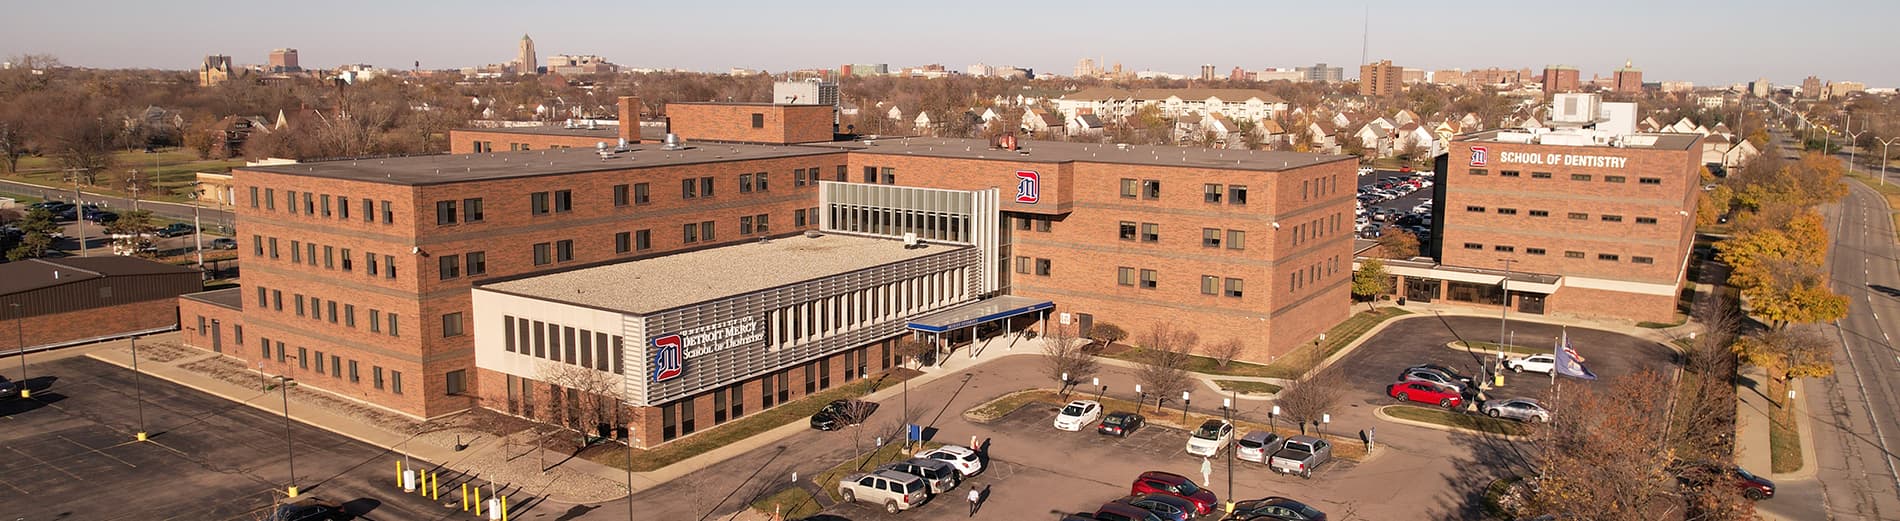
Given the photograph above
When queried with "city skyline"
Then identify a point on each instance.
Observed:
(1704, 48)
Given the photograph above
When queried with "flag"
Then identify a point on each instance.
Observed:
(1569, 363)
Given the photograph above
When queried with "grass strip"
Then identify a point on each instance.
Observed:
(1784, 440)
(1458, 420)
(791, 502)
(1247, 387)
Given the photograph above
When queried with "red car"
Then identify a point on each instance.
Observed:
(1168, 483)
(1425, 392)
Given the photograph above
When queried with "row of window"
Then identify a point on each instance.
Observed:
(678, 419)
(1570, 254)
(303, 253)
(1574, 216)
(1216, 285)
(1315, 229)
(1312, 274)
(1573, 177)
(337, 364)
(1041, 266)
(313, 204)
(334, 312)
(837, 314)
(1235, 194)
(562, 201)
(565, 344)
(1320, 187)
(445, 211)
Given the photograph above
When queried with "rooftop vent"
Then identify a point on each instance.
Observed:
(910, 239)
(673, 142)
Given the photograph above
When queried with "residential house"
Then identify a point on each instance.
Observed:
(1085, 125)
(1375, 140)
(1249, 104)
(1270, 133)
(1037, 122)
(1405, 116)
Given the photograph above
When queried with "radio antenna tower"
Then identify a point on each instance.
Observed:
(1365, 30)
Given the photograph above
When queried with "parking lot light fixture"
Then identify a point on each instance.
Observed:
(1227, 409)
(1139, 397)
(19, 324)
(1185, 399)
(138, 389)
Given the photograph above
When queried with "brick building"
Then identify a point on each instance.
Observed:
(1561, 78)
(68, 301)
(1380, 79)
(360, 274)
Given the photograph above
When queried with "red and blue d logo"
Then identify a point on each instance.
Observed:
(1028, 187)
(667, 362)
(1480, 156)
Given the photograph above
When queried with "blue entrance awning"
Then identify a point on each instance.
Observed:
(971, 314)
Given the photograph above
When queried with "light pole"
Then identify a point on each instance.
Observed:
(137, 388)
(1853, 138)
(630, 432)
(290, 450)
(1227, 410)
(1139, 397)
(19, 324)
(1185, 398)
(197, 230)
(1884, 143)
(1504, 313)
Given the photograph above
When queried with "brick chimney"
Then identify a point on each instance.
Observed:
(630, 119)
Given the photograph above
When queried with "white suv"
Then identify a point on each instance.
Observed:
(1211, 438)
(895, 490)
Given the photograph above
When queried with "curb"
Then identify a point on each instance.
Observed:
(1380, 414)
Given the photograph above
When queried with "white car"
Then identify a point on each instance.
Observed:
(1534, 363)
(1078, 414)
(1520, 409)
(965, 460)
(1211, 438)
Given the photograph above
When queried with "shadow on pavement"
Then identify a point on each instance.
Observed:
(19, 405)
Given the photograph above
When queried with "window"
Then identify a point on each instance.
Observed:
(349, 315)
(1210, 285)
(1534, 251)
(643, 240)
(1022, 223)
(1130, 188)
(444, 212)
(277, 300)
(745, 183)
(1643, 260)
(1540, 213)
(270, 199)
(641, 194)
(456, 381)
(392, 324)
(449, 266)
(389, 213)
(1607, 257)
(1579, 177)
(477, 263)
(1573, 255)
(1475, 209)
(841, 174)
(1210, 237)
(355, 376)
(1237, 194)
(1150, 232)
(1234, 287)
(375, 321)
(563, 201)
(1649, 180)
(1579, 216)
(1236, 239)
(691, 233)
(706, 231)
(395, 381)
(1504, 249)
(389, 262)
(273, 247)
(1645, 220)
(254, 197)
(1508, 173)
(623, 242)
(798, 176)
(369, 211)
(1473, 246)
(1507, 211)
(887, 175)
(343, 207)
(544, 253)
(689, 188)
(622, 196)
(303, 358)
(1540, 175)
(376, 373)
(1042, 267)
(1128, 230)
(1612, 218)
(705, 187)
(870, 174)
(1022, 264)
(1612, 179)
(761, 178)
(758, 120)
(1477, 171)
(1150, 189)
(257, 245)
(563, 250)
(1042, 225)
(1149, 279)
(452, 324)
(298, 297)
(1211, 193)
(309, 204)
(329, 257)
(1125, 276)
(798, 218)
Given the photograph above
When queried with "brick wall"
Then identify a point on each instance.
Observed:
(781, 124)
(200, 322)
(91, 323)
(463, 140)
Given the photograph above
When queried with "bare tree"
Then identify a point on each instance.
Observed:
(1165, 359)
(854, 414)
(1309, 399)
(1599, 458)
(593, 399)
(1064, 355)
(1106, 334)
(910, 350)
(1224, 352)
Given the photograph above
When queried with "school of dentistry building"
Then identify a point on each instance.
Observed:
(752, 261)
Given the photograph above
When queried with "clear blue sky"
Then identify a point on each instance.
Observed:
(1708, 42)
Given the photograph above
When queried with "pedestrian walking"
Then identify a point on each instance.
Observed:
(976, 497)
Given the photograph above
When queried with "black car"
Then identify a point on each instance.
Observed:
(176, 229)
(308, 509)
(9, 388)
(101, 216)
(1121, 424)
(840, 413)
(1166, 507)
(1274, 509)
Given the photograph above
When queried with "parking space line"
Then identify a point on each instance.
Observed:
(45, 463)
(100, 452)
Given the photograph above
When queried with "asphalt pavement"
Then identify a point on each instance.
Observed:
(181, 212)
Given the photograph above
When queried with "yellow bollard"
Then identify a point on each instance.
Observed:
(292, 491)
(478, 501)
(465, 497)
(24, 392)
(141, 435)
(504, 508)
(398, 473)
(435, 488)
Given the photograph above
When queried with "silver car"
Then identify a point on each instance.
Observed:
(897, 491)
(1256, 446)
(1520, 409)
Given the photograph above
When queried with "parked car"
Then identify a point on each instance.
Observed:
(1425, 392)
(1420, 374)
(897, 491)
(101, 216)
(1077, 414)
(9, 388)
(1257, 446)
(1169, 483)
(841, 413)
(1212, 437)
(1275, 509)
(1462, 379)
(1121, 424)
(965, 460)
(308, 509)
(1520, 409)
(176, 229)
(1535, 363)
(940, 475)
(223, 243)
(1301, 455)
(1706, 473)
(1166, 507)
(1113, 511)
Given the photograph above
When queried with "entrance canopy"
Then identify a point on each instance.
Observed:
(971, 314)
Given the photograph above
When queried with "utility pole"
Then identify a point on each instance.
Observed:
(197, 229)
(79, 210)
(19, 322)
(1504, 314)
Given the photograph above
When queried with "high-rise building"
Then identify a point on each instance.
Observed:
(1086, 68)
(1678, 86)
(1411, 75)
(1812, 88)
(1240, 74)
(1628, 78)
(284, 60)
(1843, 88)
(524, 60)
(1380, 79)
(1495, 76)
(1320, 73)
(1561, 78)
(1453, 77)
(1760, 88)
(580, 64)
(1279, 74)
(1207, 73)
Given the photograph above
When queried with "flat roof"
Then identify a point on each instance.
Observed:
(440, 169)
(607, 134)
(231, 298)
(1662, 141)
(1062, 152)
(650, 285)
(33, 274)
(973, 313)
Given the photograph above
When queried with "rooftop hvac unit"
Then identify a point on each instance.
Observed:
(673, 142)
(910, 240)
(1575, 108)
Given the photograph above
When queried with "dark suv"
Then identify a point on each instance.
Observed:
(840, 413)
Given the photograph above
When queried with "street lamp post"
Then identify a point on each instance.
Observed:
(1227, 410)
(290, 449)
(137, 388)
(1884, 143)
(1853, 138)
(19, 324)
(630, 432)
(197, 229)
(1185, 399)
(1139, 397)
(1504, 313)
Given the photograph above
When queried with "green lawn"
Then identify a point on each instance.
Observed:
(793, 502)
(1290, 366)
(171, 173)
(1246, 387)
(1784, 440)
(733, 431)
(1457, 420)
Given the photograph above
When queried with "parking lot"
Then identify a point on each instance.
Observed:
(71, 450)
(1393, 208)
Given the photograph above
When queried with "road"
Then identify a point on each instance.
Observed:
(181, 212)
(1855, 410)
